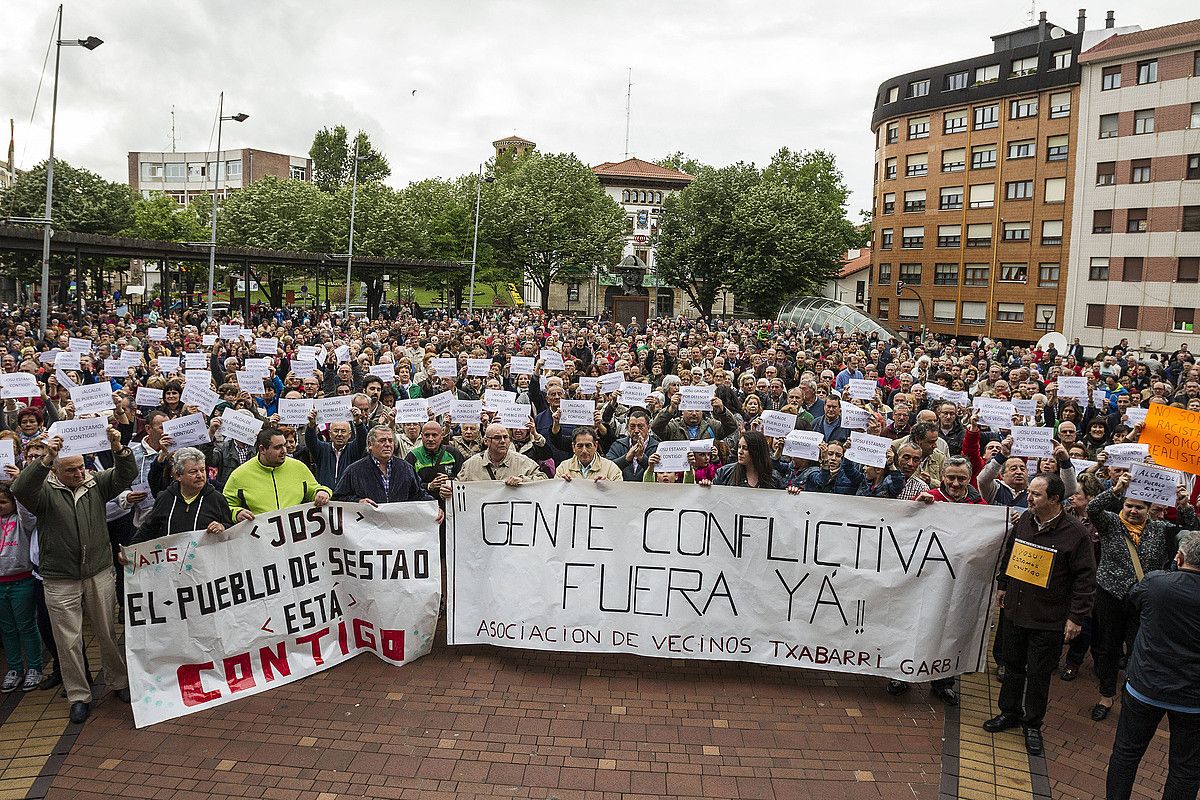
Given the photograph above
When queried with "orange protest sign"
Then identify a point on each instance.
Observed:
(1174, 437)
(1030, 562)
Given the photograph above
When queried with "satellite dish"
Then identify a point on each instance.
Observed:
(1053, 338)
(1057, 33)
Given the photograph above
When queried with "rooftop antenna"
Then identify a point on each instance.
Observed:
(628, 95)
(172, 128)
(1032, 12)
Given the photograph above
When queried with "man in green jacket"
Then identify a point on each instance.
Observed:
(271, 481)
(76, 559)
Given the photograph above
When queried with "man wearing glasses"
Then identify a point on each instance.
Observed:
(499, 462)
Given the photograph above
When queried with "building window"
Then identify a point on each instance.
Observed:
(916, 165)
(909, 309)
(1056, 148)
(1062, 59)
(151, 171)
(1024, 66)
(918, 88)
(1193, 167)
(1132, 268)
(1048, 276)
(889, 203)
(912, 239)
(1143, 121)
(1098, 269)
(987, 117)
(1018, 190)
(885, 239)
(1188, 270)
(914, 201)
(233, 169)
(1060, 105)
(176, 171)
(1095, 316)
(954, 121)
(976, 275)
(630, 225)
(1102, 221)
(983, 195)
(1108, 126)
(1045, 317)
(572, 292)
(297, 173)
(1147, 71)
(1025, 107)
(983, 156)
(1139, 170)
(1016, 231)
(1137, 221)
(1106, 173)
(943, 311)
(893, 94)
(945, 275)
(918, 128)
(889, 169)
(1010, 312)
(885, 273)
(625, 196)
(973, 313)
(950, 198)
(1110, 78)
(1023, 149)
(1196, 64)
(979, 234)
(949, 236)
(1184, 320)
(1052, 232)
(1195, 120)
(1191, 219)
(911, 274)
(954, 160)
(893, 132)
(1127, 318)
(1056, 190)
(196, 171)
(881, 308)
(955, 81)
(1013, 273)
(987, 74)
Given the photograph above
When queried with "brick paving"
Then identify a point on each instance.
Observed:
(487, 722)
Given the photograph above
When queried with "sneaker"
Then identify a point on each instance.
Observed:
(11, 680)
(33, 679)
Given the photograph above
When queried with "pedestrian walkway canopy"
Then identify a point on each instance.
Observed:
(821, 312)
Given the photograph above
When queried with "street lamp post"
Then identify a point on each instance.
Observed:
(90, 43)
(353, 208)
(212, 247)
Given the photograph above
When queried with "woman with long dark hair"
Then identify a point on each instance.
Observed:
(753, 467)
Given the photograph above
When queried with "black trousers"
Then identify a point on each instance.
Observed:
(1077, 650)
(1116, 628)
(1135, 729)
(1030, 657)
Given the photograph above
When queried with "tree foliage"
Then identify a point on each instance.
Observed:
(766, 236)
(83, 201)
(549, 219)
(161, 218)
(332, 154)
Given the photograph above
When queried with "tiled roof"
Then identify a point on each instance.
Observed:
(1168, 36)
(514, 139)
(637, 168)
(856, 265)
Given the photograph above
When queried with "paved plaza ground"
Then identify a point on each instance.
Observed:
(488, 722)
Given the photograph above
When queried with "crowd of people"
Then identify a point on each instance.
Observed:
(299, 406)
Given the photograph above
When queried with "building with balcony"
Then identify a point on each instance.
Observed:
(974, 172)
(1135, 237)
(183, 176)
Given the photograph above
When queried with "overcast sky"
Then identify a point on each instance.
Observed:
(721, 81)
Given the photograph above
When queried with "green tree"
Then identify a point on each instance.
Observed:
(791, 230)
(697, 241)
(160, 218)
(332, 154)
(383, 226)
(549, 219)
(683, 162)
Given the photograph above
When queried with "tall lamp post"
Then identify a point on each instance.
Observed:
(90, 43)
(212, 246)
(479, 181)
(353, 207)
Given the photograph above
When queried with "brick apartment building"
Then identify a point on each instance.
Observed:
(1135, 242)
(974, 167)
(183, 176)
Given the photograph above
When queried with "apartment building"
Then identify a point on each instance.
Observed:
(183, 176)
(974, 167)
(1135, 238)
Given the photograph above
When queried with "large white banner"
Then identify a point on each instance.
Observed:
(209, 619)
(885, 587)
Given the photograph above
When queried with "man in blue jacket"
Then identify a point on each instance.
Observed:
(379, 477)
